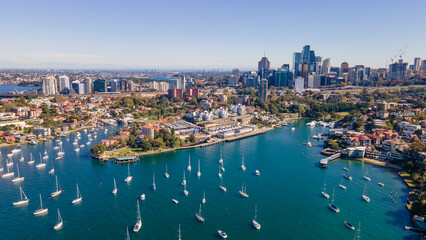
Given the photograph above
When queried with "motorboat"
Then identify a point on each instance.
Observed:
(222, 234)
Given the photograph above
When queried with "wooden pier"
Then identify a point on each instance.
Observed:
(324, 161)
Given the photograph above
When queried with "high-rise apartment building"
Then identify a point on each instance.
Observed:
(417, 64)
(50, 86)
(297, 60)
(64, 84)
(88, 85)
(398, 70)
(263, 88)
(344, 67)
(326, 66)
(236, 73)
(233, 81)
(100, 85)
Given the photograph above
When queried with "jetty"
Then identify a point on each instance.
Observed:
(324, 161)
(127, 159)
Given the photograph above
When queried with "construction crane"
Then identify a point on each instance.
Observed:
(399, 54)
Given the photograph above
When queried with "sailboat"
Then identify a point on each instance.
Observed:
(358, 232)
(184, 180)
(22, 158)
(143, 197)
(138, 224)
(31, 162)
(348, 224)
(115, 188)
(381, 184)
(185, 191)
(8, 173)
(347, 166)
(24, 200)
(243, 192)
(52, 170)
(61, 151)
(332, 206)
(257, 172)
(9, 164)
(364, 194)
(58, 189)
(79, 197)
(19, 178)
(60, 223)
(42, 210)
(128, 178)
(221, 186)
(255, 223)
(153, 182)
(324, 193)
(222, 168)
(366, 177)
(41, 164)
(189, 164)
(45, 155)
(221, 159)
(199, 172)
(347, 176)
(198, 215)
(166, 174)
(204, 197)
(16, 150)
(219, 174)
(242, 165)
(1, 167)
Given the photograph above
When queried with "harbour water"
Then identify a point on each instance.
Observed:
(6, 88)
(287, 194)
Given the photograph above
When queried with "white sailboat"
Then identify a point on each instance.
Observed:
(366, 177)
(221, 186)
(138, 224)
(79, 198)
(41, 210)
(364, 194)
(31, 162)
(324, 192)
(46, 156)
(1, 167)
(189, 164)
(222, 234)
(219, 174)
(9, 163)
(114, 191)
(221, 158)
(184, 180)
(128, 178)
(198, 215)
(61, 151)
(23, 201)
(154, 187)
(204, 197)
(255, 223)
(52, 170)
(41, 164)
(332, 206)
(257, 172)
(199, 172)
(185, 191)
(166, 174)
(222, 167)
(243, 192)
(348, 224)
(60, 223)
(143, 197)
(175, 201)
(58, 189)
(8, 173)
(243, 167)
(22, 158)
(16, 150)
(19, 178)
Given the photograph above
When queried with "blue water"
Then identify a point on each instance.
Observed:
(10, 87)
(288, 194)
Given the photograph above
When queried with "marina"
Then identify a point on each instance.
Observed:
(284, 162)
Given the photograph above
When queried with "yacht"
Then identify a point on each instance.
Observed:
(381, 184)
(185, 191)
(138, 224)
(222, 234)
(128, 178)
(364, 194)
(347, 224)
(243, 192)
(366, 177)
(79, 197)
(293, 128)
(153, 182)
(41, 210)
(255, 223)
(76, 149)
(19, 178)
(21, 159)
(342, 186)
(24, 200)
(34, 142)
(82, 146)
(41, 164)
(31, 162)
(199, 172)
(166, 174)
(257, 173)
(347, 176)
(8, 173)
(332, 206)
(60, 223)
(52, 170)
(114, 191)
(324, 193)
(219, 174)
(189, 164)
(221, 167)
(243, 167)
(221, 186)
(198, 215)
(143, 197)
(175, 201)
(184, 180)
(204, 197)
(58, 189)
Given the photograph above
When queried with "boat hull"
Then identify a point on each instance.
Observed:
(21, 203)
(137, 226)
(58, 226)
(77, 200)
(56, 194)
(40, 212)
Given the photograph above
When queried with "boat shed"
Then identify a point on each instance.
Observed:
(127, 159)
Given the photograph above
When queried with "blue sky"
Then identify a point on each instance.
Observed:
(202, 34)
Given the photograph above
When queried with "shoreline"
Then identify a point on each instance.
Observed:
(378, 163)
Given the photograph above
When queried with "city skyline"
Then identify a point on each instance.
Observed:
(206, 35)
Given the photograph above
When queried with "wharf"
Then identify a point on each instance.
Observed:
(324, 161)
(127, 159)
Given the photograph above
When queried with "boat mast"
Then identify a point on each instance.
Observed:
(139, 212)
(255, 211)
(179, 233)
(41, 203)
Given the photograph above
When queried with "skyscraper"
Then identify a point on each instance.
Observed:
(263, 88)
(326, 66)
(297, 60)
(263, 67)
(236, 73)
(306, 53)
(64, 84)
(50, 86)
(417, 64)
(299, 84)
(344, 67)
(281, 77)
(233, 81)
(100, 85)
(88, 85)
